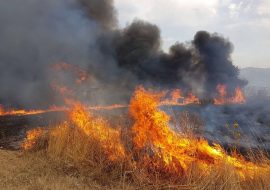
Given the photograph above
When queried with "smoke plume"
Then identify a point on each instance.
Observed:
(34, 35)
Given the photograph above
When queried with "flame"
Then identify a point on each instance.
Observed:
(69, 102)
(98, 129)
(177, 99)
(2, 110)
(191, 99)
(222, 92)
(223, 98)
(155, 146)
(175, 152)
(32, 137)
(239, 97)
(22, 112)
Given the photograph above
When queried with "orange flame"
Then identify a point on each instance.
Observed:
(223, 98)
(239, 97)
(176, 95)
(177, 152)
(2, 110)
(222, 92)
(155, 144)
(32, 137)
(21, 112)
(191, 99)
(98, 129)
(177, 99)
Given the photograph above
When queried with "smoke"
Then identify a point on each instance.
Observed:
(206, 58)
(102, 11)
(34, 35)
(246, 126)
(215, 60)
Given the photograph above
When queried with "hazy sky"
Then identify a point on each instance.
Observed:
(245, 23)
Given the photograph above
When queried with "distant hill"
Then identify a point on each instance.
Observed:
(258, 78)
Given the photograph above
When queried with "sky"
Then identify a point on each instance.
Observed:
(245, 23)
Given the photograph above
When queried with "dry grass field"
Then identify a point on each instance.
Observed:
(35, 172)
(90, 152)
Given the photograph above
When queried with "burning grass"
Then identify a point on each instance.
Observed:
(175, 97)
(148, 154)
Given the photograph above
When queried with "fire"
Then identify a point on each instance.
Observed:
(172, 151)
(32, 137)
(22, 112)
(2, 111)
(98, 129)
(176, 95)
(153, 146)
(177, 99)
(191, 99)
(222, 92)
(70, 103)
(237, 98)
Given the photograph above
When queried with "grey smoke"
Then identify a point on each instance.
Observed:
(207, 57)
(36, 34)
(101, 10)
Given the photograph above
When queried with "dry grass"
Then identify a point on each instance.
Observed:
(37, 172)
(69, 159)
(66, 158)
(86, 152)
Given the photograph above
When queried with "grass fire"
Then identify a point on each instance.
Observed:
(90, 100)
(144, 150)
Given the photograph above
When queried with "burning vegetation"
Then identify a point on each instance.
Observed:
(146, 151)
(74, 59)
(174, 98)
(237, 98)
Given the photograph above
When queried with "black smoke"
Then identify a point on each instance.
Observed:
(206, 58)
(102, 11)
(36, 34)
(215, 60)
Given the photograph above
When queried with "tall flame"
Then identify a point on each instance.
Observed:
(237, 98)
(154, 145)
(98, 129)
(2, 110)
(176, 151)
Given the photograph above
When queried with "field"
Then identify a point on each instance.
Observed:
(139, 151)
(31, 172)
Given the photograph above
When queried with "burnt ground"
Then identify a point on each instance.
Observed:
(253, 125)
(13, 128)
